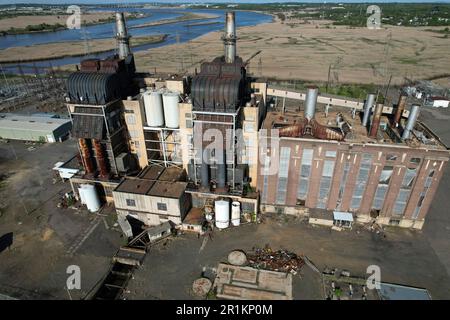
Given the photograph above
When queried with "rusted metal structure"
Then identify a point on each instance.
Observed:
(376, 121)
(86, 156)
(400, 108)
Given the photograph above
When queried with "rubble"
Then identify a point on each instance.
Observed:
(280, 260)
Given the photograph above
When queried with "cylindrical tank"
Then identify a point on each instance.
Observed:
(222, 213)
(412, 118)
(310, 102)
(89, 197)
(171, 110)
(153, 104)
(235, 213)
(367, 108)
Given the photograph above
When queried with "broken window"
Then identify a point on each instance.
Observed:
(325, 184)
(383, 185)
(423, 194)
(131, 202)
(343, 183)
(266, 179)
(415, 160)
(161, 206)
(283, 175)
(391, 157)
(305, 171)
(361, 181)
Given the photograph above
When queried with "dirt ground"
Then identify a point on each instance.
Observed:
(69, 48)
(305, 52)
(46, 239)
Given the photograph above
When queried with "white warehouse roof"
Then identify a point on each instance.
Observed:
(33, 123)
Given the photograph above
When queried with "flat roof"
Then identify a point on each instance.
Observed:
(151, 172)
(136, 186)
(358, 133)
(32, 123)
(168, 189)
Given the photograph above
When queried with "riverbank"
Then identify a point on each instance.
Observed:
(69, 49)
(305, 51)
(186, 16)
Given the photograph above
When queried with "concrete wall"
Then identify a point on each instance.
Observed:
(134, 115)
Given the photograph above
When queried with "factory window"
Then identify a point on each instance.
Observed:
(131, 202)
(188, 115)
(188, 123)
(305, 171)
(423, 194)
(330, 154)
(283, 175)
(383, 184)
(136, 144)
(266, 179)
(161, 206)
(415, 160)
(405, 191)
(361, 181)
(131, 119)
(132, 133)
(325, 184)
(391, 157)
(343, 183)
(129, 111)
(248, 127)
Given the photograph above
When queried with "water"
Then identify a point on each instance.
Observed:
(182, 30)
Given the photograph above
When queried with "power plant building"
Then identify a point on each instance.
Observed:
(171, 148)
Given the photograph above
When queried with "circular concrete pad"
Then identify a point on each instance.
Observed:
(237, 258)
(201, 287)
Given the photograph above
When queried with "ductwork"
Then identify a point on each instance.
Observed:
(310, 102)
(100, 154)
(123, 39)
(85, 153)
(229, 39)
(376, 121)
(367, 108)
(413, 115)
(400, 108)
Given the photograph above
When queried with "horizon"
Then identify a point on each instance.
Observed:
(102, 2)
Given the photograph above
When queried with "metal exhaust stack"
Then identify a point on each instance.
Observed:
(400, 108)
(310, 102)
(123, 39)
(229, 39)
(367, 108)
(376, 120)
(413, 115)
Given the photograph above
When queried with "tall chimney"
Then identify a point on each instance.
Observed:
(370, 100)
(123, 39)
(376, 121)
(229, 39)
(400, 108)
(413, 115)
(311, 101)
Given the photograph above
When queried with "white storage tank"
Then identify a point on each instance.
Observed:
(171, 109)
(89, 197)
(235, 213)
(153, 105)
(222, 213)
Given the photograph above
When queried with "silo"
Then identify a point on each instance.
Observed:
(222, 213)
(89, 197)
(235, 213)
(171, 110)
(153, 104)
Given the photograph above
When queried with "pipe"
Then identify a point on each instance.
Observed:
(123, 39)
(100, 155)
(367, 108)
(86, 155)
(400, 108)
(229, 39)
(311, 101)
(221, 169)
(376, 121)
(413, 115)
(204, 175)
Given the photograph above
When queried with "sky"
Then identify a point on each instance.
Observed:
(210, 1)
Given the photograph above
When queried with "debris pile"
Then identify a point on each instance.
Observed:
(280, 260)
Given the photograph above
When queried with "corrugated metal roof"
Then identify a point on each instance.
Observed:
(23, 122)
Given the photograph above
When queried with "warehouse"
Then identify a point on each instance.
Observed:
(34, 128)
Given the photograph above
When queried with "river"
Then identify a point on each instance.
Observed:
(179, 31)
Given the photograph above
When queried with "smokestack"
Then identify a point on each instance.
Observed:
(100, 158)
(367, 108)
(376, 120)
(413, 115)
(310, 102)
(123, 39)
(229, 39)
(400, 108)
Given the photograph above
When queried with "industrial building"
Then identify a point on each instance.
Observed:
(212, 147)
(40, 128)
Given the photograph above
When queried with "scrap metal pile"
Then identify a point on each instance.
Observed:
(280, 260)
